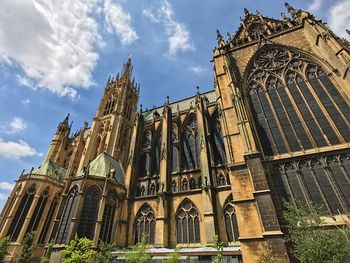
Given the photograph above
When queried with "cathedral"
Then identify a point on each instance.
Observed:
(276, 126)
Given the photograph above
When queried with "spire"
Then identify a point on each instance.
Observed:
(66, 120)
(127, 67)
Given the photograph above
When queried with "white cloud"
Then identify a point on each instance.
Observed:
(315, 5)
(178, 36)
(6, 186)
(117, 21)
(26, 101)
(339, 17)
(53, 42)
(197, 69)
(14, 126)
(16, 150)
(17, 125)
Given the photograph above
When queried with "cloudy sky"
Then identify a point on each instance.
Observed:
(55, 58)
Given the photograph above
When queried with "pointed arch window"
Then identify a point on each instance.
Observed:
(145, 225)
(108, 216)
(21, 213)
(175, 161)
(89, 212)
(187, 223)
(144, 164)
(190, 145)
(109, 106)
(38, 211)
(231, 221)
(217, 141)
(66, 217)
(48, 220)
(10, 205)
(156, 152)
(296, 106)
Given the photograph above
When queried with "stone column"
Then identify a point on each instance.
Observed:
(162, 230)
(207, 195)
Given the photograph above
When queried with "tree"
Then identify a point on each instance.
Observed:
(26, 253)
(105, 253)
(219, 246)
(139, 253)
(311, 242)
(79, 250)
(174, 257)
(268, 256)
(47, 255)
(4, 244)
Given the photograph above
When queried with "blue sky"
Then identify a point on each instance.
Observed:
(56, 56)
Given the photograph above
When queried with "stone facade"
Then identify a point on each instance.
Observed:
(277, 125)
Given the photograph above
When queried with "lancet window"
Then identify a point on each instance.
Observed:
(187, 223)
(296, 106)
(175, 161)
(48, 220)
(38, 211)
(109, 106)
(89, 212)
(231, 221)
(145, 225)
(217, 141)
(144, 164)
(156, 154)
(190, 145)
(108, 217)
(21, 213)
(66, 218)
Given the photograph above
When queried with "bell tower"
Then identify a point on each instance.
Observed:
(111, 127)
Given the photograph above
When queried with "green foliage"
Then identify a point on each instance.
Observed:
(4, 244)
(27, 248)
(79, 250)
(139, 253)
(174, 257)
(47, 255)
(219, 246)
(268, 256)
(312, 242)
(105, 253)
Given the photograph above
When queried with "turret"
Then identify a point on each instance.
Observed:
(61, 134)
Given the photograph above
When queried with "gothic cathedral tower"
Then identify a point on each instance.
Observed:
(111, 127)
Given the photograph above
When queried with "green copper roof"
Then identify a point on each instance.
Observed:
(103, 164)
(183, 105)
(52, 170)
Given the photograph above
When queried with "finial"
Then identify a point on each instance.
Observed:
(219, 38)
(348, 31)
(283, 15)
(290, 9)
(167, 99)
(197, 90)
(229, 38)
(246, 11)
(140, 108)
